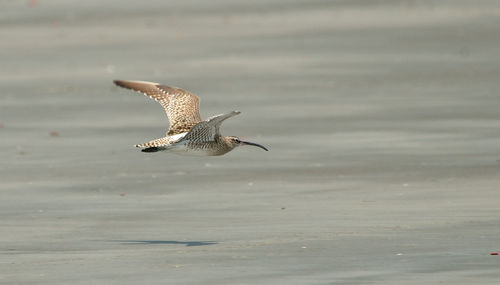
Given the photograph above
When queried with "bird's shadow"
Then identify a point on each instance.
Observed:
(176, 242)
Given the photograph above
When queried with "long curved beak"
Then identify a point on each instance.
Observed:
(254, 144)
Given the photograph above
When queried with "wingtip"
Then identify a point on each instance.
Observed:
(150, 149)
(130, 83)
(118, 82)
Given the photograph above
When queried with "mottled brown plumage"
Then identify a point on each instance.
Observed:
(181, 106)
(187, 134)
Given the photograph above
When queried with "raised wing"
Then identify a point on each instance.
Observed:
(181, 106)
(207, 130)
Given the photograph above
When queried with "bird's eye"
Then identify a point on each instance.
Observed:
(236, 140)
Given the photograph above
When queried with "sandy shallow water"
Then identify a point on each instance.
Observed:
(382, 119)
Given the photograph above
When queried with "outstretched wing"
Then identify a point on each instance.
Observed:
(181, 106)
(207, 130)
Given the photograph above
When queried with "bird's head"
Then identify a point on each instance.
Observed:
(235, 141)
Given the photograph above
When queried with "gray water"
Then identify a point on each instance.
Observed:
(381, 118)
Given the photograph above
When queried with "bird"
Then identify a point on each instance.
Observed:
(187, 133)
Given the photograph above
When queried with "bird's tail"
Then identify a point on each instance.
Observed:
(154, 143)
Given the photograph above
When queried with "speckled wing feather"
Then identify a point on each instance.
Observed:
(206, 131)
(181, 106)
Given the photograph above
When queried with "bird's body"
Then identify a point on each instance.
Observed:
(188, 134)
(187, 147)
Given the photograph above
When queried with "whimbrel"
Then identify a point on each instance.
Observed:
(188, 134)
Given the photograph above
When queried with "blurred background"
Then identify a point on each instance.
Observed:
(381, 118)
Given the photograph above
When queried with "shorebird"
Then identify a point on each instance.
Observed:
(188, 134)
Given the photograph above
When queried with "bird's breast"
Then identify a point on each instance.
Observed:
(191, 148)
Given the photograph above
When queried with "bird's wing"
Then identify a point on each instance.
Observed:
(181, 106)
(207, 130)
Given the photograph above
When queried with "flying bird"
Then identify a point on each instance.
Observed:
(188, 134)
